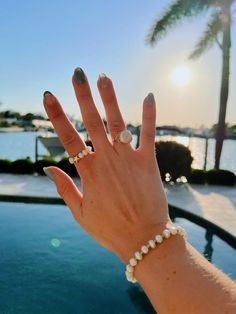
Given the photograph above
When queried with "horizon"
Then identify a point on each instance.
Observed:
(39, 52)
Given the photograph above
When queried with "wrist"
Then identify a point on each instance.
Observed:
(136, 237)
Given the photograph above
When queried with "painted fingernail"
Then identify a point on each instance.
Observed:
(49, 173)
(79, 76)
(47, 93)
(150, 98)
(103, 80)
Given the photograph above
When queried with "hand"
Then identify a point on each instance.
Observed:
(123, 204)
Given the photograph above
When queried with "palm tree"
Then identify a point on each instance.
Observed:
(218, 30)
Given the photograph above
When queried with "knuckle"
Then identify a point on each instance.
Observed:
(56, 114)
(149, 136)
(148, 116)
(116, 126)
(93, 124)
(69, 139)
(63, 189)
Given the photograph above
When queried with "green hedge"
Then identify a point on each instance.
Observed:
(67, 167)
(220, 177)
(173, 159)
(5, 165)
(40, 164)
(22, 166)
(197, 176)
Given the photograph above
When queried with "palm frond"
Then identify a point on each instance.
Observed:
(213, 28)
(174, 13)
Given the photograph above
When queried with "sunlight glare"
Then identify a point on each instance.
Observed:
(181, 76)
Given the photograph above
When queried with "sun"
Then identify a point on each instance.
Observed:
(181, 76)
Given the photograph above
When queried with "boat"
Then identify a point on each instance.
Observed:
(52, 145)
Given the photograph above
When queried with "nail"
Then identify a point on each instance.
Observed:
(49, 173)
(103, 80)
(46, 93)
(150, 98)
(79, 76)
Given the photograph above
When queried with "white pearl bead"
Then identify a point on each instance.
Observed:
(159, 238)
(144, 249)
(71, 160)
(129, 275)
(152, 244)
(129, 268)
(166, 233)
(138, 255)
(173, 230)
(81, 155)
(125, 136)
(85, 152)
(89, 148)
(133, 262)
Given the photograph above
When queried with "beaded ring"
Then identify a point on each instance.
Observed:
(81, 155)
(138, 256)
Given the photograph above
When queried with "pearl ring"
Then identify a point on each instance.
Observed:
(81, 155)
(124, 137)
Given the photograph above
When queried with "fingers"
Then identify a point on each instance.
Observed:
(68, 135)
(148, 129)
(91, 117)
(114, 118)
(67, 190)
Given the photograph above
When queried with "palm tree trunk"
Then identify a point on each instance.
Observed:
(220, 130)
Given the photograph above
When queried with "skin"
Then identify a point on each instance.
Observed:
(118, 212)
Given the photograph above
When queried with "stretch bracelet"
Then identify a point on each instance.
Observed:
(159, 238)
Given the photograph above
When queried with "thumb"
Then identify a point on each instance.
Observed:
(66, 189)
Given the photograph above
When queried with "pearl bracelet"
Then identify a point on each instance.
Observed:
(138, 256)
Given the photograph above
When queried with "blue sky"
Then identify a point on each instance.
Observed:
(43, 41)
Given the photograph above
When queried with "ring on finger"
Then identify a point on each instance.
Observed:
(124, 137)
(80, 155)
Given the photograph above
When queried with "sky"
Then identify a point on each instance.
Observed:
(42, 42)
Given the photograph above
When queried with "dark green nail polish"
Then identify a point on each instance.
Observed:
(150, 98)
(79, 76)
(46, 93)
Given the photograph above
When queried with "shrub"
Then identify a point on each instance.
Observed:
(22, 166)
(40, 164)
(197, 176)
(220, 177)
(67, 167)
(174, 159)
(4, 165)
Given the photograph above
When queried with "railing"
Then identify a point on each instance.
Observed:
(211, 229)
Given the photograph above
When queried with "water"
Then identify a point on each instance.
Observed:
(19, 145)
(48, 264)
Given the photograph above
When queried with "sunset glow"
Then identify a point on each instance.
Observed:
(181, 76)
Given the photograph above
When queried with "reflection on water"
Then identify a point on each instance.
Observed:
(20, 145)
(77, 276)
(208, 251)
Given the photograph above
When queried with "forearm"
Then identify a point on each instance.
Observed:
(177, 279)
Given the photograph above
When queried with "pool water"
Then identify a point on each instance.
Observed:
(48, 265)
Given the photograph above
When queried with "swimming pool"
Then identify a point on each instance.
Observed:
(48, 264)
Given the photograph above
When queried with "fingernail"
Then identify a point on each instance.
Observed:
(79, 76)
(49, 173)
(150, 98)
(103, 80)
(46, 93)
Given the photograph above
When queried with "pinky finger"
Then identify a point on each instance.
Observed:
(148, 129)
